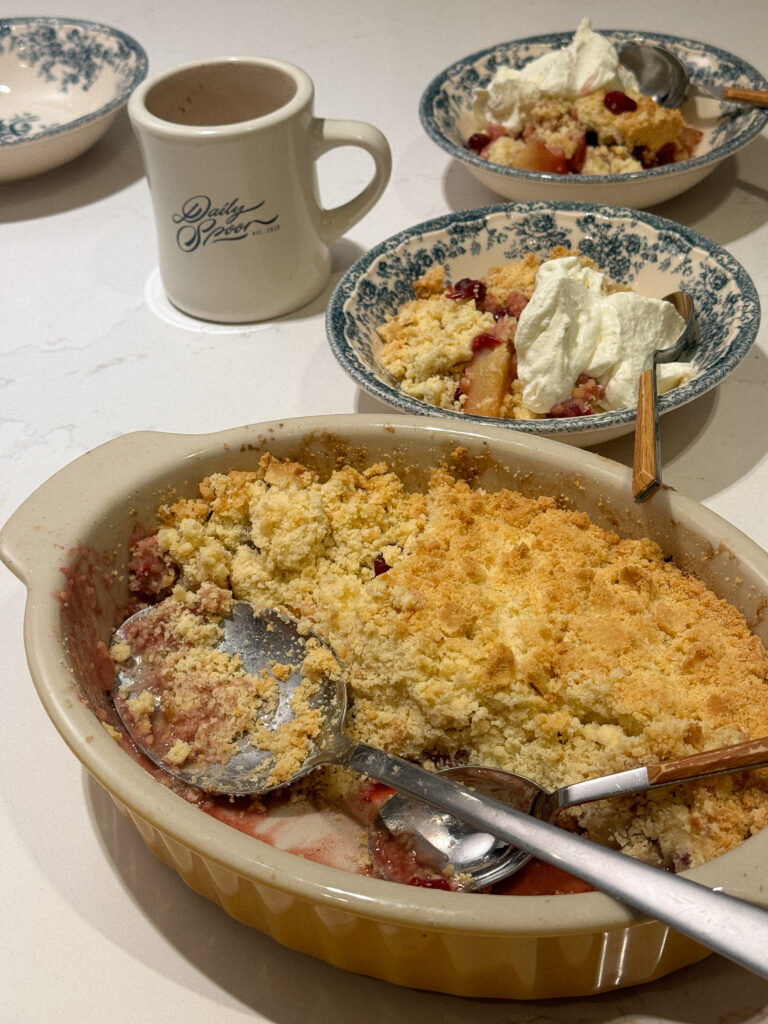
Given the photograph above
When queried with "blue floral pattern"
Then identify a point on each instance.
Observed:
(18, 126)
(448, 98)
(624, 243)
(71, 55)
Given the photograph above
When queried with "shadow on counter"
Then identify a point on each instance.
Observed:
(248, 969)
(109, 166)
(714, 441)
(728, 204)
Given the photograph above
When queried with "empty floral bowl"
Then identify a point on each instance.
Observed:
(446, 115)
(63, 82)
(653, 255)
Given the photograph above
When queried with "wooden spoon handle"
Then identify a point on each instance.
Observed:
(751, 754)
(645, 472)
(758, 97)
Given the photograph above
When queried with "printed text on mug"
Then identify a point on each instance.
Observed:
(201, 222)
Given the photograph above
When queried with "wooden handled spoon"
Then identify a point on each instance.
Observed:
(646, 465)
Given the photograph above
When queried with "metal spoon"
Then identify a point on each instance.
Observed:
(723, 923)
(442, 842)
(646, 465)
(663, 76)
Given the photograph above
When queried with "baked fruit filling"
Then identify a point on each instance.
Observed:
(600, 133)
(533, 338)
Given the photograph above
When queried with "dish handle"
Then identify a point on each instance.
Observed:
(58, 510)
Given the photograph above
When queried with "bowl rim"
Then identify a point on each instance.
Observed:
(377, 386)
(143, 458)
(138, 73)
(702, 162)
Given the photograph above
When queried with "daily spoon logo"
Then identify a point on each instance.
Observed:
(202, 223)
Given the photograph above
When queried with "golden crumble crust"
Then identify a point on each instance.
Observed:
(604, 159)
(510, 632)
(554, 121)
(518, 275)
(427, 342)
(649, 126)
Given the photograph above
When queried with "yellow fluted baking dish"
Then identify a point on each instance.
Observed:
(523, 947)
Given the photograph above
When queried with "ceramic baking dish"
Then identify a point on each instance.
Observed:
(68, 543)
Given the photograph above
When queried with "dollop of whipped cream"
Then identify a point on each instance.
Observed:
(572, 327)
(588, 62)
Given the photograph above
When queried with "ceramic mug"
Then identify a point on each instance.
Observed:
(230, 148)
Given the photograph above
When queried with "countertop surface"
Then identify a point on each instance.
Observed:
(93, 927)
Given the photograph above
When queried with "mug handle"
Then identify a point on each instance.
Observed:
(330, 134)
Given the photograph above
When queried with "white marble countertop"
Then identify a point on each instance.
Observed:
(93, 927)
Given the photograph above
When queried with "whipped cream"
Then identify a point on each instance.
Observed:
(572, 327)
(589, 62)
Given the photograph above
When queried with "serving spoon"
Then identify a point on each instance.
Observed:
(646, 462)
(441, 842)
(723, 923)
(663, 76)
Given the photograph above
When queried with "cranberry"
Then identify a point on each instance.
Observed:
(374, 792)
(478, 141)
(431, 883)
(619, 103)
(682, 861)
(482, 341)
(467, 288)
(380, 565)
(648, 158)
(516, 303)
(570, 408)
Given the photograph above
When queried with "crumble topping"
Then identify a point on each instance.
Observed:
(490, 628)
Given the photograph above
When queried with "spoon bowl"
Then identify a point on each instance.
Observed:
(445, 845)
(662, 75)
(742, 932)
(410, 839)
(257, 641)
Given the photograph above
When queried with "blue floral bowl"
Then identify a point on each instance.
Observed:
(653, 255)
(64, 82)
(446, 115)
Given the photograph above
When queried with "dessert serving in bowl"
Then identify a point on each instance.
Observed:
(64, 82)
(653, 167)
(414, 318)
(77, 543)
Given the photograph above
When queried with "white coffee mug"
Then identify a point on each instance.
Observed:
(230, 148)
